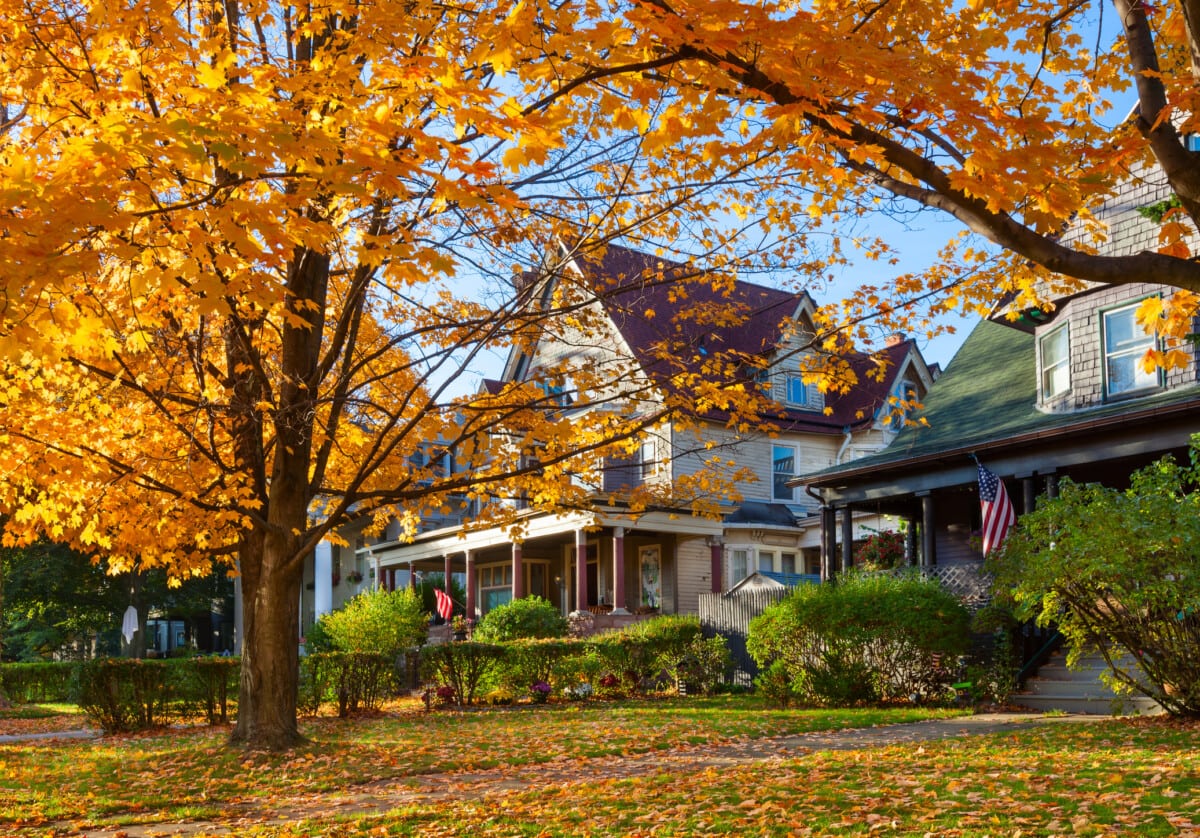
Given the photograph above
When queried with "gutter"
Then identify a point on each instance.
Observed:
(1182, 408)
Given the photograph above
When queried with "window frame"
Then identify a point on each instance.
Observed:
(1063, 363)
(790, 496)
(791, 379)
(1136, 351)
(738, 555)
(648, 467)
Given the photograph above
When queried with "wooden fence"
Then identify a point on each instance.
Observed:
(730, 616)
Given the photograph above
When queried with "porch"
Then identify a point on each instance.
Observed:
(616, 568)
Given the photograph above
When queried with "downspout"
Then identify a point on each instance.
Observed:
(845, 444)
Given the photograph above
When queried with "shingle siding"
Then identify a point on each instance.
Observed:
(1083, 316)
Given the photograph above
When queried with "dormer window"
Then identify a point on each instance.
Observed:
(1125, 344)
(1054, 351)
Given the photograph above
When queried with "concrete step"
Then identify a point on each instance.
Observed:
(1088, 705)
(1079, 690)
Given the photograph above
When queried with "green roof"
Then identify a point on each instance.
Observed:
(986, 397)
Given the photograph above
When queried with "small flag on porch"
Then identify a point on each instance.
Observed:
(445, 605)
(998, 513)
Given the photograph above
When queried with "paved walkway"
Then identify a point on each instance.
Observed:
(384, 795)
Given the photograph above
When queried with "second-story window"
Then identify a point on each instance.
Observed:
(1055, 350)
(649, 458)
(783, 467)
(1125, 344)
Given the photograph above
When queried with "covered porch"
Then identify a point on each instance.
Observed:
(614, 566)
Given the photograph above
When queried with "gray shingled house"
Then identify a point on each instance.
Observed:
(1051, 393)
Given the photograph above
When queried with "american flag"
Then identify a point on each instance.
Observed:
(445, 605)
(998, 513)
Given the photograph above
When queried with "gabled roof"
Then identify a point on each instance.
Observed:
(636, 291)
(634, 297)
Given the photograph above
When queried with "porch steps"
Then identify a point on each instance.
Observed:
(1057, 688)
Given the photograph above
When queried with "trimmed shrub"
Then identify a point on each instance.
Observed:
(868, 638)
(528, 617)
(642, 654)
(32, 683)
(124, 694)
(461, 667)
(355, 680)
(529, 660)
(208, 682)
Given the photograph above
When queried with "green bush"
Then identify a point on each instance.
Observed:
(377, 622)
(208, 682)
(124, 694)
(31, 683)
(644, 653)
(529, 660)
(867, 638)
(703, 665)
(354, 680)
(461, 667)
(1116, 571)
(775, 685)
(528, 617)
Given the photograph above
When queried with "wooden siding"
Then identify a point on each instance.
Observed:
(693, 570)
(813, 453)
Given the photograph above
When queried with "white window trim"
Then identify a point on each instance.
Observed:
(1140, 349)
(1065, 361)
(791, 496)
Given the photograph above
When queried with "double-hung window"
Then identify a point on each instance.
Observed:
(1125, 344)
(783, 469)
(1055, 349)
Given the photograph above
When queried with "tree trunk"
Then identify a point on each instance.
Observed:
(266, 718)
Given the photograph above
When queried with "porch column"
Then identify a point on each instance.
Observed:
(375, 567)
(910, 543)
(412, 578)
(1051, 485)
(446, 576)
(847, 539)
(928, 554)
(517, 587)
(716, 560)
(1029, 495)
(618, 571)
(828, 542)
(581, 588)
(322, 579)
(470, 574)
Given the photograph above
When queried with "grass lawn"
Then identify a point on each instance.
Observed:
(1112, 778)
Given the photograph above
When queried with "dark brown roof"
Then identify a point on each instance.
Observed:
(671, 317)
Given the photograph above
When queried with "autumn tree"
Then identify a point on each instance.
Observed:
(251, 253)
(1014, 118)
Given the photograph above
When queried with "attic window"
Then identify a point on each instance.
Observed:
(797, 391)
